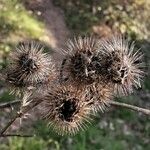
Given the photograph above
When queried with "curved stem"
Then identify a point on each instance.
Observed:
(10, 123)
(9, 104)
(18, 115)
(18, 135)
(132, 107)
(113, 103)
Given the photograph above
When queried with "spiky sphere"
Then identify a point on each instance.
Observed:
(76, 67)
(65, 110)
(120, 64)
(29, 66)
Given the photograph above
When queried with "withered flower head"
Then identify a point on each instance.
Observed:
(120, 64)
(66, 110)
(29, 65)
(76, 66)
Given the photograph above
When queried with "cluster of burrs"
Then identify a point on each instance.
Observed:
(92, 72)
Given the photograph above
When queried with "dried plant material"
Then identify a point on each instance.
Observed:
(99, 97)
(29, 66)
(76, 67)
(121, 66)
(66, 110)
(91, 73)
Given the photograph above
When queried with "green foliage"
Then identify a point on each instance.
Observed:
(6, 96)
(16, 23)
(122, 16)
(16, 19)
(30, 144)
(108, 133)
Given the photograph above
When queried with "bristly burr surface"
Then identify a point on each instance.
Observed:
(91, 73)
(66, 110)
(99, 96)
(29, 66)
(76, 67)
(81, 68)
(120, 64)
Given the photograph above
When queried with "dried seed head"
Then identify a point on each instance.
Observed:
(76, 67)
(120, 65)
(66, 110)
(99, 97)
(29, 66)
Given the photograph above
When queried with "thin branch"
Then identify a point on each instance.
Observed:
(18, 115)
(10, 123)
(18, 135)
(9, 104)
(132, 107)
(114, 103)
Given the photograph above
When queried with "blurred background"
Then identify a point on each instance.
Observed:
(51, 22)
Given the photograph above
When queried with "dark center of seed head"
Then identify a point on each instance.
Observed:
(27, 63)
(78, 63)
(67, 110)
(80, 66)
